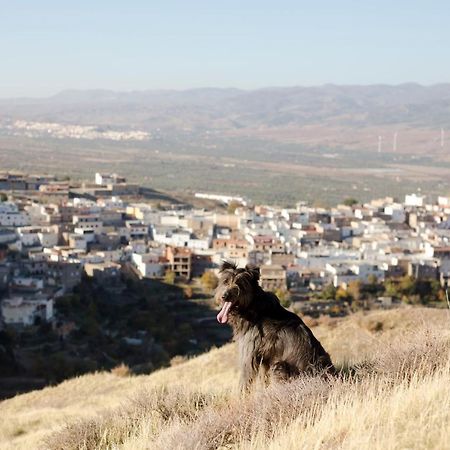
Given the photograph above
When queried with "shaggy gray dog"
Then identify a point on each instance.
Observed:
(272, 341)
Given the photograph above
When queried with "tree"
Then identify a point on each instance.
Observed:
(329, 292)
(342, 295)
(169, 277)
(209, 280)
(232, 206)
(284, 297)
(350, 201)
(354, 289)
(407, 285)
(3, 197)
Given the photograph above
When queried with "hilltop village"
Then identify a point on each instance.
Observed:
(55, 232)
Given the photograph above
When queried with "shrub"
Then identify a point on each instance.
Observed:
(122, 370)
(209, 280)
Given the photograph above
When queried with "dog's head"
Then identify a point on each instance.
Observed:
(235, 289)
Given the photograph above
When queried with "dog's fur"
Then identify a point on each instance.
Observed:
(272, 341)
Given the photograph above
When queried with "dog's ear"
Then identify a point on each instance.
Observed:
(253, 270)
(226, 266)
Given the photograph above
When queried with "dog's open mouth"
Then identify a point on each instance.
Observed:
(222, 317)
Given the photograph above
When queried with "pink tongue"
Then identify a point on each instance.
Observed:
(222, 317)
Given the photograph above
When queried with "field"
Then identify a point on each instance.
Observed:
(265, 171)
(393, 393)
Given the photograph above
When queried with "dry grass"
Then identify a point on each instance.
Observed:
(396, 395)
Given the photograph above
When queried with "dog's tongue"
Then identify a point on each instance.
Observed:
(222, 317)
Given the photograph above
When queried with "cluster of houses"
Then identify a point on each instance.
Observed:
(54, 232)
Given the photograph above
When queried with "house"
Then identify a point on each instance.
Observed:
(29, 236)
(108, 178)
(423, 270)
(148, 265)
(415, 200)
(64, 273)
(282, 259)
(21, 311)
(180, 261)
(10, 216)
(102, 271)
(78, 241)
(273, 277)
(88, 222)
(27, 284)
(265, 243)
(7, 235)
(232, 248)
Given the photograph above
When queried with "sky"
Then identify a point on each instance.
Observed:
(48, 46)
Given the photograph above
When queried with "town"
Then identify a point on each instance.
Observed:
(53, 232)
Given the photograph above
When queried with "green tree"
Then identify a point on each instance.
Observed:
(209, 280)
(342, 295)
(407, 285)
(328, 292)
(390, 288)
(284, 297)
(350, 201)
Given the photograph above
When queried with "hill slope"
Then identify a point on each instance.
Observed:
(399, 389)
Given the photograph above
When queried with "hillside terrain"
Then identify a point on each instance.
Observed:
(394, 393)
(151, 322)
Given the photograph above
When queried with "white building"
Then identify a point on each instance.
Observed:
(20, 311)
(414, 200)
(48, 236)
(78, 241)
(88, 222)
(10, 216)
(396, 211)
(29, 236)
(148, 265)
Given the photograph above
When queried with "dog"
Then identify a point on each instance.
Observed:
(272, 341)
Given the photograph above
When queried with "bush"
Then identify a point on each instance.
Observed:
(284, 297)
(350, 201)
(209, 280)
(329, 292)
(122, 370)
(169, 277)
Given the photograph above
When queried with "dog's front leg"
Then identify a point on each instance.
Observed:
(248, 375)
(247, 366)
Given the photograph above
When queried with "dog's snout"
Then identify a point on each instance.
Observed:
(226, 296)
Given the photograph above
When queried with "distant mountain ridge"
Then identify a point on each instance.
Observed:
(229, 108)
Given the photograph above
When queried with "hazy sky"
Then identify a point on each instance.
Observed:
(47, 46)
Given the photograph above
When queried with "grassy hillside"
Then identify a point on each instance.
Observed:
(396, 396)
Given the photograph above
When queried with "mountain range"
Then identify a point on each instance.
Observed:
(234, 109)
